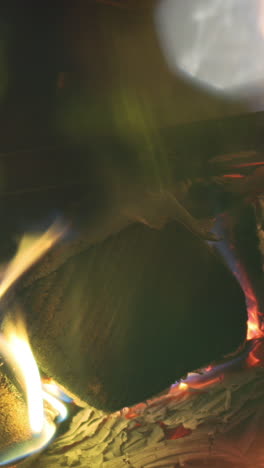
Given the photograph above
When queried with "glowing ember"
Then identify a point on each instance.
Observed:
(252, 361)
(234, 176)
(183, 386)
(253, 324)
(250, 164)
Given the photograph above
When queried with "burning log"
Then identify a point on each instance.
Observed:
(121, 311)
(208, 422)
(118, 322)
(52, 342)
(29, 408)
(179, 430)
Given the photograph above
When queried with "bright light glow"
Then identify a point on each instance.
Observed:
(29, 447)
(183, 386)
(15, 349)
(217, 43)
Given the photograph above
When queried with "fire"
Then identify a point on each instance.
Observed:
(19, 353)
(183, 386)
(227, 250)
(30, 250)
(254, 330)
(15, 348)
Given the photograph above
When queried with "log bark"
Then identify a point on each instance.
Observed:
(220, 425)
(189, 154)
(97, 245)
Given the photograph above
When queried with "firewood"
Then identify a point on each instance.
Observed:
(121, 320)
(220, 425)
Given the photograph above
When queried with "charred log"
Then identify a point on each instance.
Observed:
(122, 320)
(220, 425)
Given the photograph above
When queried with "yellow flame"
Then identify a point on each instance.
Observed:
(253, 330)
(15, 348)
(183, 386)
(30, 250)
(27, 370)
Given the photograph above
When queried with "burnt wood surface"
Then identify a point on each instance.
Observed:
(120, 321)
(217, 422)
(220, 425)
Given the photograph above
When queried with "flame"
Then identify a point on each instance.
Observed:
(183, 386)
(253, 361)
(15, 348)
(254, 330)
(29, 447)
(227, 250)
(27, 371)
(54, 389)
(30, 250)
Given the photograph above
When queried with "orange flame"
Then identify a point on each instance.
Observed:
(254, 330)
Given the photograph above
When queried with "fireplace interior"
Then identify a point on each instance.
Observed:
(132, 239)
